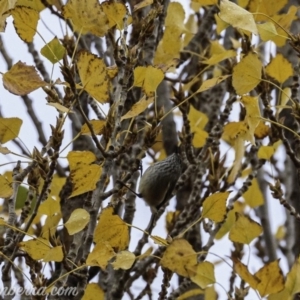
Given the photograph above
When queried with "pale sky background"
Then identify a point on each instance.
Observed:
(12, 106)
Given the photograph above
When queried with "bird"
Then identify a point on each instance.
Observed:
(157, 184)
(159, 180)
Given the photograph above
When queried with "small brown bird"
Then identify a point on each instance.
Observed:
(157, 184)
(159, 180)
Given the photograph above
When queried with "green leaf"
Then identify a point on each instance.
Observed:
(21, 198)
(53, 51)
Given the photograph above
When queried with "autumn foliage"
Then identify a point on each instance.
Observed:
(217, 80)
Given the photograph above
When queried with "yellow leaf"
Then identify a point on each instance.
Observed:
(50, 226)
(244, 230)
(60, 107)
(269, 8)
(236, 16)
(162, 155)
(35, 4)
(210, 293)
(115, 13)
(180, 258)
(195, 6)
(112, 71)
(175, 15)
(98, 126)
(4, 7)
(239, 147)
(244, 273)
(55, 3)
(93, 292)
(25, 22)
(4, 150)
(265, 152)
(285, 21)
(124, 260)
(171, 218)
(214, 207)
(254, 197)
(243, 3)
(267, 31)
(242, 81)
(148, 78)
(56, 186)
(233, 131)
(280, 68)
(221, 25)
(36, 248)
(198, 121)
(191, 29)
(142, 4)
(199, 138)
(204, 274)
(85, 179)
(207, 84)
(22, 79)
(197, 118)
(101, 255)
(54, 254)
(236, 44)
(9, 129)
(216, 58)
(147, 253)
(111, 228)
(138, 107)
(170, 66)
(76, 158)
(216, 48)
(261, 131)
(49, 207)
(158, 143)
(87, 16)
(54, 51)
(252, 117)
(93, 75)
(170, 45)
(159, 241)
(77, 221)
(6, 190)
(292, 283)
(84, 174)
(281, 233)
(271, 279)
(230, 220)
(284, 294)
(284, 99)
(217, 72)
(190, 293)
(206, 2)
